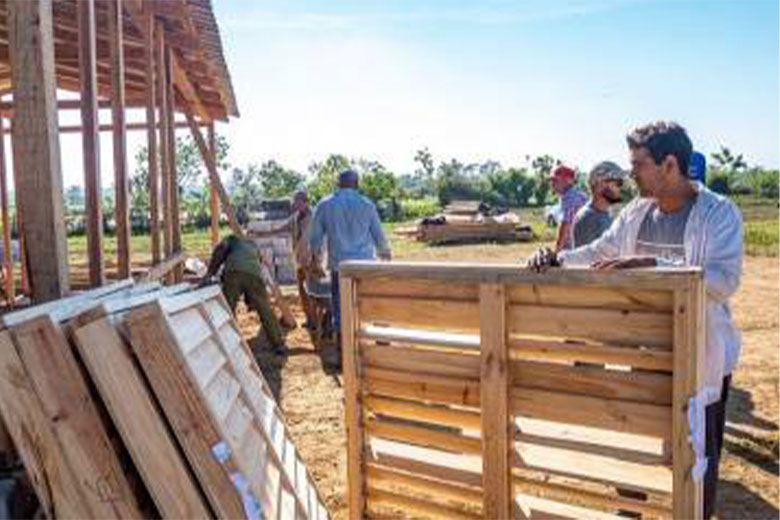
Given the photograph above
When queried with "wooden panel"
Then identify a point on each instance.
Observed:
(36, 149)
(381, 475)
(495, 380)
(531, 508)
(8, 261)
(466, 419)
(689, 359)
(420, 436)
(150, 336)
(66, 402)
(43, 458)
(352, 400)
(424, 507)
(139, 422)
(436, 389)
(91, 141)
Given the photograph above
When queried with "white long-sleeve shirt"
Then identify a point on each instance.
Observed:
(712, 241)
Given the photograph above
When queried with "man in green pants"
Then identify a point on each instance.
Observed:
(242, 275)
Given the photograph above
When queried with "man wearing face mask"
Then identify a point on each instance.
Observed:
(677, 222)
(593, 219)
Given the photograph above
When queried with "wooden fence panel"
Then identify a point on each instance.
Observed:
(490, 391)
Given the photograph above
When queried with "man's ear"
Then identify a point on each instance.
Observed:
(670, 165)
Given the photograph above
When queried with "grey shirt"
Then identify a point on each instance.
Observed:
(589, 224)
(661, 234)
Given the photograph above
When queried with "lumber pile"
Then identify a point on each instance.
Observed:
(459, 228)
(476, 391)
(143, 401)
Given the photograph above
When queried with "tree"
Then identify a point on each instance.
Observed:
(277, 181)
(728, 161)
(245, 191)
(325, 175)
(542, 166)
(426, 172)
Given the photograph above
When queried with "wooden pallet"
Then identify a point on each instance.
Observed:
(203, 373)
(467, 397)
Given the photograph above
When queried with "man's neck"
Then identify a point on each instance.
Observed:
(677, 198)
(600, 203)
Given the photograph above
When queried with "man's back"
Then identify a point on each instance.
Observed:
(351, 224)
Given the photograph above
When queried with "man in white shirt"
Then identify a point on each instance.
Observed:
(677, 222)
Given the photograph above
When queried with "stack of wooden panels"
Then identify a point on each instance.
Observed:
(469, 231)
(492, 392)
(144, 401)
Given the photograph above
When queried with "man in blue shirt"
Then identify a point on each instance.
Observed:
(351, 225)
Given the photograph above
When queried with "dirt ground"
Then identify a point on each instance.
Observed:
(311, 396)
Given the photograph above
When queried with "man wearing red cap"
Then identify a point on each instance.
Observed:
(562, 181)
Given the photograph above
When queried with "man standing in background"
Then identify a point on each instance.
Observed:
(604, 182)
(351, 225)
(562, 180)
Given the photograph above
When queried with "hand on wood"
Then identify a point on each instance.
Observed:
(543, 259)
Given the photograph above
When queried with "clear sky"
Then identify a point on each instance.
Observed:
(493, 79)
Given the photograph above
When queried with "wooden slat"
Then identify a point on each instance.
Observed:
(191, 423)
(495, 379)
(630, 327)
(62, 390)
(421, 436)
(532, 508)
(170, 125)
(660, 279)
(420, 337)
(383, 475)
(436, 389)
(467, 419)
(151, 131)
(536, 294)
(424, 507)
(610, 414)
(139, 422)
(213, 190)
(597, 382)
(8, 260)
(36, 150)
(121, 182)
(536, 349)
(689, 359)
(353, 405)
(91, 141)
(159, 271)
(164, 145)
(43, 458)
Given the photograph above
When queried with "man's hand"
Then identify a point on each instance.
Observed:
(633, 262)
(543, 259)
(206, 280)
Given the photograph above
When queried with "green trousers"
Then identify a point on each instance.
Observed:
(235, 284)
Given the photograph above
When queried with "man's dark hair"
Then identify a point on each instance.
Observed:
(661, 139)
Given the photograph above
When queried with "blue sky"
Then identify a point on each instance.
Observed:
(495, 79)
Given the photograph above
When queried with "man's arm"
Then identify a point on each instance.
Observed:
(218, 257)
(378, 235)
(723, 251)
(317, 232)
(564, 232)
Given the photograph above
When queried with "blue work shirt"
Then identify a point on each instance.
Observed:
(351, 223)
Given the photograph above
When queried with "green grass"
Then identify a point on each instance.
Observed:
(762, 237)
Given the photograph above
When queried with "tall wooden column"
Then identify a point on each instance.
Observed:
(162, 102)
(151, 132)
(121, 186)
(214, 193)
(173, 179)
(36, 146)
(8, 259)
(91, 138)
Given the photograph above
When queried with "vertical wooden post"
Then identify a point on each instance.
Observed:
(91, 138)
(151, 132)
(24, 272)
(8, 259)
(213, 189)
(494, 399)
(159, 50)
(173, 181)
(688, 496)
(36, 146)
(121, 187)
(353, 400)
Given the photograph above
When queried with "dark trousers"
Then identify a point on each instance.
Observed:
(252, 288)
(335, 298)
(715, 424)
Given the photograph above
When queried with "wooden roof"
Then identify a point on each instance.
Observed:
(200, 72)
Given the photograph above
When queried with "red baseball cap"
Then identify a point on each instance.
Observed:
(563, 172)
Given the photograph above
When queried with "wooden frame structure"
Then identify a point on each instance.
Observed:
(164, 56)
(477, 391)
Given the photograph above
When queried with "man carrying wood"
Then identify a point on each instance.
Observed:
(677, 222)
(242, 275)
(351, 224)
